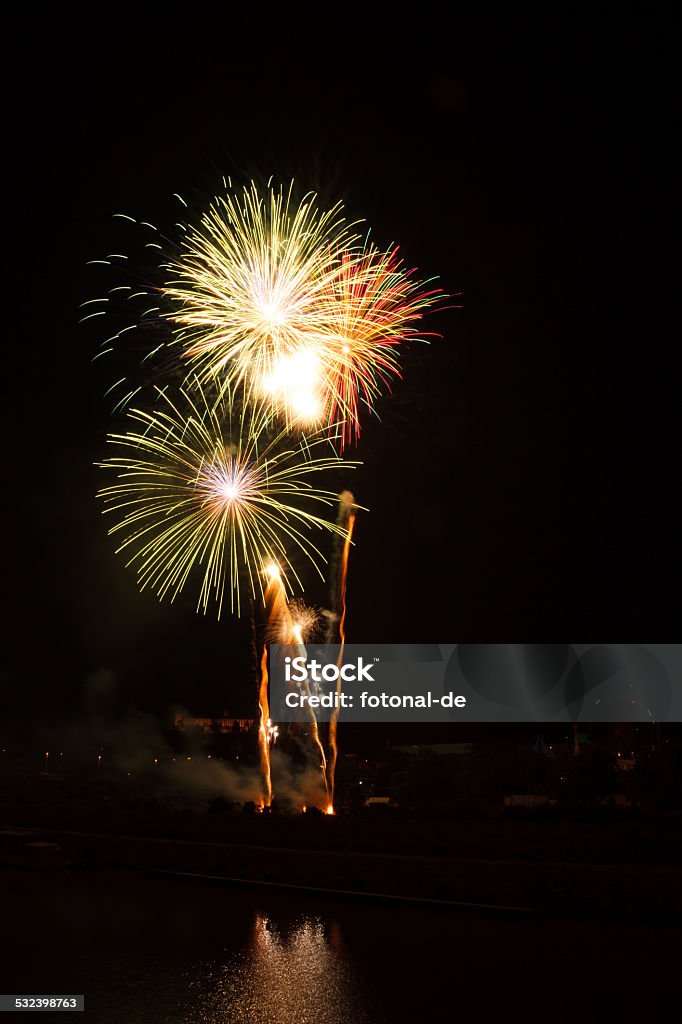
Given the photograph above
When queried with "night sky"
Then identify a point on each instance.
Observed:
(523, 474)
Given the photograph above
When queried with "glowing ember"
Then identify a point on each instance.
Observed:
(273, 732)
(272, 571)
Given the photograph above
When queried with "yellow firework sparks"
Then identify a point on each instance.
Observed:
(201, 488)
(308, 621)
(283, 300)
(288, 619)
(248, 283)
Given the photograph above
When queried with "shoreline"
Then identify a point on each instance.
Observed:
(542, 887)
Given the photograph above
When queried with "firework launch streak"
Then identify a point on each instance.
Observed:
(476, 682)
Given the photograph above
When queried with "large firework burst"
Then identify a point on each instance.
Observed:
(283, 300)
(249, 282)
(202, 487)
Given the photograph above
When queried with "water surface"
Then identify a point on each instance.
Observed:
(166, 951)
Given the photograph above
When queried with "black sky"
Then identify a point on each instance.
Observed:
(523, 474)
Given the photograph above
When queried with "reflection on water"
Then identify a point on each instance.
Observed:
(297, 974)
(150, 950)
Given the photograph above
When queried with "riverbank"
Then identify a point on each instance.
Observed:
(648, 890)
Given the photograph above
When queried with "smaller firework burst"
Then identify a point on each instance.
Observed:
(298, 620)
(200, 487)
(374, 306)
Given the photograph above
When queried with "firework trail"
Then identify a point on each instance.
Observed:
(282, 624)
(263, 725)
(346, 519)
(312, 717)
(275, 603)
(259, 679)
(201, 488)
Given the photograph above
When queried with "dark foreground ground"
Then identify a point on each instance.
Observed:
(628, 868)
(605, 838)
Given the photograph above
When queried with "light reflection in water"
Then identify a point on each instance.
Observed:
(294, 975)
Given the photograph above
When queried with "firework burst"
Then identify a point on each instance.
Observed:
(202, 488)
(376, 308)
(285, 301)
(249, 282)
(296, 615)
